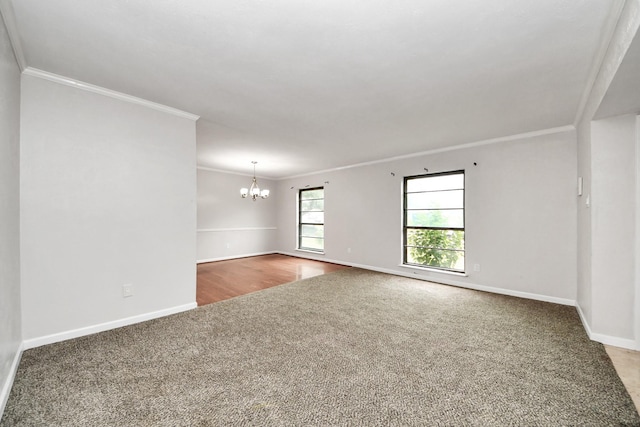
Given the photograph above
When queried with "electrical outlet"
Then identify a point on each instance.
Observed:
(228, 245)
(476, 267)
(348, 250)
(127, 291)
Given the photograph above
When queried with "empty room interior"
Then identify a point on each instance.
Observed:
(488, 149)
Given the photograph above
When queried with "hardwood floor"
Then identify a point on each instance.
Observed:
(222, 280)
(627, 364)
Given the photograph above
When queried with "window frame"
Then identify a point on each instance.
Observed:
(301, 224)
(406, 227)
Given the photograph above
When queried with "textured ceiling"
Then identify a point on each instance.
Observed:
(302, 86)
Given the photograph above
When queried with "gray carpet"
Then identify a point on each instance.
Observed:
(351, 348)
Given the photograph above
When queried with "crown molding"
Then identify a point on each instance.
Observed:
(598, 60)
(34, 72)
(623, 27)
(550, 131)
(250, 175)
(208, 169)
(9, 18)
(515, 137)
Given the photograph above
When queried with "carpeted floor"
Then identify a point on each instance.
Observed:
(352, 348)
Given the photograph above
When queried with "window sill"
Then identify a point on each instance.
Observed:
(435, 270)
(310, 251)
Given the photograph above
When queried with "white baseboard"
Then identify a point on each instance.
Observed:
(583, 319)
(615, 341)
(446, 281)
(476, 287)
(606, 339)
(75, 333)
(8, 383)
(316, 256)
(224, 258)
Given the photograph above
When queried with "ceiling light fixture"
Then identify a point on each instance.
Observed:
(254, 191)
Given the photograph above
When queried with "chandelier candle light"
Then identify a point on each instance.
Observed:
(254, 191)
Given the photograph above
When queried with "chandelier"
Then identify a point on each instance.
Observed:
(254, 191)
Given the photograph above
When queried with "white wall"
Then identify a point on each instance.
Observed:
(108, 197)
(608, 233)
(637, 242)
(613, 193)
(10, 327)
(520, 215)
(230, 226)
(584, 299)
(610, 189)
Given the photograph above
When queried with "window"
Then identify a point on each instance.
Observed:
(434, 221)
(311, 219)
